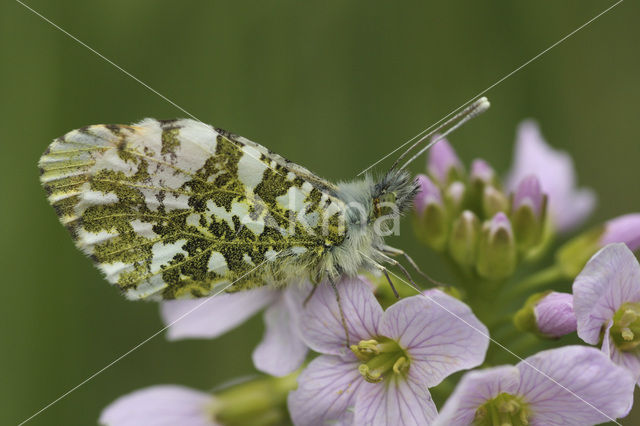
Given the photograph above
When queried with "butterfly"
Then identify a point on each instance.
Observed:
(178, 209)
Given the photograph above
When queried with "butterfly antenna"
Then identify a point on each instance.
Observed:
(476, 108)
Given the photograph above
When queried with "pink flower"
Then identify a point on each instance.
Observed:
(606, 298)
(394, 357)
(164, 405)
(281, 350)
(572, 385)
(568, 206)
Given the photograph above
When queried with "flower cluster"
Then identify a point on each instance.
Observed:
(485, 225)
(350, 354)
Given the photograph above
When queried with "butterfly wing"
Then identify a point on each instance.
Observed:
(173, 209)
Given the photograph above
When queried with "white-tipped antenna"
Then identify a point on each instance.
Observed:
(473, 110)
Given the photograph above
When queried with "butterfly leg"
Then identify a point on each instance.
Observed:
(306, 299)
(344, 321)
(402, 268)
(392, 251)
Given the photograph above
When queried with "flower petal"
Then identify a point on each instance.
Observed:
(610, 278)
(211, 317)
(574, 385)
(568, 206)
(623, 229)
(476, 388)
(320, 321)
(440, 334)
(163, 405)
(281, 350)
(326, 390)
(397, 401)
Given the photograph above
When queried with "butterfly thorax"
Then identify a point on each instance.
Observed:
(372, 208)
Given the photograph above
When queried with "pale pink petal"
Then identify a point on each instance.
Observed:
(440, 334)
(326, 392)
(476, 388)
(163, 405)
(610, 278)
(213, 316)
(281, 350)
(321, 326)
(567, 205)
(574, 385)
(623, 229)
(397, 401)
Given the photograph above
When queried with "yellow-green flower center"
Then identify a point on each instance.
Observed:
(503, 410)
(380, 357)
(625, 331)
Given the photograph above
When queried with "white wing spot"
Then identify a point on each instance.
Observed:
(250, 168)
(217, 263)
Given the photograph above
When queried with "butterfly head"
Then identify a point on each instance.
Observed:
(393, 194)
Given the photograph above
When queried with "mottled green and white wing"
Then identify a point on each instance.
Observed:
(170, 209)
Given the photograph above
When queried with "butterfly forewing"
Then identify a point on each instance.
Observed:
(170, 209)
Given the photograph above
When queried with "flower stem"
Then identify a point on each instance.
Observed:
(535, 282)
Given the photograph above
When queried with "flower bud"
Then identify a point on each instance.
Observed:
(554, 315)
(494, 201)
(481, 171)
(548, 314)
(443, 163)
(482, 175)
(496, 258)
(527, 218)
(575, 253)
(463, 242)
(432, 221)
(454, 197)
(428, 193)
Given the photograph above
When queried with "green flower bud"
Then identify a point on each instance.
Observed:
(494, 201)
(432, 220)
(454, 197)
(529, 208)
(433, 226)
(497, 255)
(463, 242)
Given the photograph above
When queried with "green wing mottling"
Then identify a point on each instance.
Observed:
(170, 209)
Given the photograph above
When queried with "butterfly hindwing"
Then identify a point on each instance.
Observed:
(170, 209)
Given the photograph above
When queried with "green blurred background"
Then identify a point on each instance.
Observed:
(332, 85)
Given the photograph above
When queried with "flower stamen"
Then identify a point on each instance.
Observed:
(380, 356)
(625, 330)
